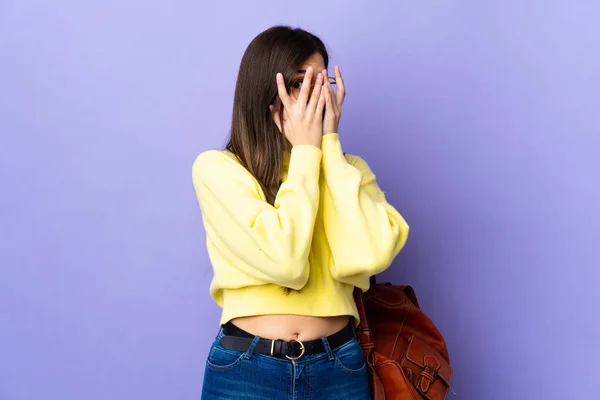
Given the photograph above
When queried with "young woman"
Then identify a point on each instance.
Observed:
(292, 226)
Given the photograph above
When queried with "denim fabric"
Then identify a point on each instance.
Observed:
(334, 374)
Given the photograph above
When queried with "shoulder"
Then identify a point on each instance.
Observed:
(351, 158)
(212, 158)
(212, 162)
(220, 168)
(356, 161)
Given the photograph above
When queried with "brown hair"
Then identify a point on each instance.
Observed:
(254, 137)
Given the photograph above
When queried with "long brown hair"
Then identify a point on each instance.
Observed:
(254, 137)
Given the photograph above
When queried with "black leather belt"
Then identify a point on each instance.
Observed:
(240, 340)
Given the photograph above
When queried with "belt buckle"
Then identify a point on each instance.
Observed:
(302, 350)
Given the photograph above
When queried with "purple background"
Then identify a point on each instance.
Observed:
(481, 120)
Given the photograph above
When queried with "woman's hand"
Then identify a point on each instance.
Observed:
(303, 119)
(333, 102)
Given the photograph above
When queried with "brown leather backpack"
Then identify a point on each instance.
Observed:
(406, 355)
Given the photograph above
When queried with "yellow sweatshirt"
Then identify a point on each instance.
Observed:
(330, 229)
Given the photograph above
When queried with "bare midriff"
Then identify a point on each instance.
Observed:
(288, 327)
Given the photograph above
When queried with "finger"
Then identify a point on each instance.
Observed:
(316, 94)
(282, 91)
(320, 105)
(341, 88)
(329, 96)
(327, 81)
(303, 98)
(329, 86)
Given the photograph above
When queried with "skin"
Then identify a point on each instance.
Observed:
(304, 124)
(301, 116)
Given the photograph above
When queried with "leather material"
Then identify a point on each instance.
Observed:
(240, 340)
(406, 355)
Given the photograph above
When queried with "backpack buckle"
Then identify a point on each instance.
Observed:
(428, 375)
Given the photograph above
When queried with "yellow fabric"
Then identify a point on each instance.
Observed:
(330, 229)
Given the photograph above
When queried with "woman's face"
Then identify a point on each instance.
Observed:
(317, 63)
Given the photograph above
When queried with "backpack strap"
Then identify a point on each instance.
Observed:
(360, 305)
(410, 293)
(363, 332)
(362, 313)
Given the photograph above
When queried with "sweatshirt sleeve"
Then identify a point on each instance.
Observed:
(250, 241)
(365, 233)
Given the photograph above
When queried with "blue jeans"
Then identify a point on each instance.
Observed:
(335, 374)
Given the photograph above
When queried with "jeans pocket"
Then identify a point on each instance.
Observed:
(221, 359)
(350, 359)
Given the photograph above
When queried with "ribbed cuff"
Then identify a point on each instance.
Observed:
(305, 160)
(333, 155)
